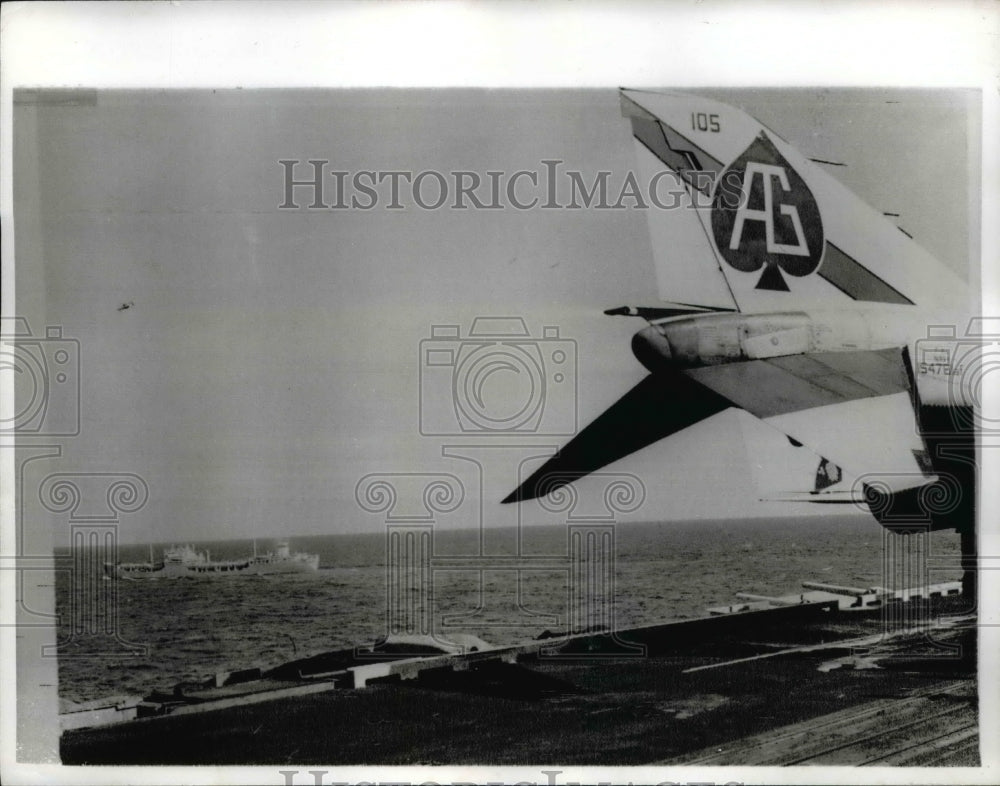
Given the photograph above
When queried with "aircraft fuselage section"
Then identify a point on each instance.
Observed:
(712, 339)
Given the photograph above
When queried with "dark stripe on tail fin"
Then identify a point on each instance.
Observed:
(672, 148)
(855, 281)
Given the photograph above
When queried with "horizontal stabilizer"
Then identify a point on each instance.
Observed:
(658, 406)
(851, 408)
(652, 313)
(796, 382)
(846, 497)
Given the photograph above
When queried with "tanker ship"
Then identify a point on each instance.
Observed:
(186, 561)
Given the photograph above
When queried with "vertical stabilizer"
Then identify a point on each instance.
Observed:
(759, 225)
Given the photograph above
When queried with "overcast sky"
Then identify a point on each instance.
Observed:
(271, 358)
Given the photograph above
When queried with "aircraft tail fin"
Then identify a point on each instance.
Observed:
(744, 221)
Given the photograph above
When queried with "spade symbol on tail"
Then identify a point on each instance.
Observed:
(765, 216)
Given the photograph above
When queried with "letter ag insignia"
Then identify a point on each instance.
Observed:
(764, 216)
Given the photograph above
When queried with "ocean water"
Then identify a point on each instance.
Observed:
(164, 631)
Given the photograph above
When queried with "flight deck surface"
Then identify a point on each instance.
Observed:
(806, 684)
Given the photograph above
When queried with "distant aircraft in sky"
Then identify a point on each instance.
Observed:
(788, 297)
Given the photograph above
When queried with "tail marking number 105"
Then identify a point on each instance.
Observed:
(701, 121)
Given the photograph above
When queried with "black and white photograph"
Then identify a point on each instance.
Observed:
(631, 429)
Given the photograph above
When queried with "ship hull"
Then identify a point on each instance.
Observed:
(253, 566)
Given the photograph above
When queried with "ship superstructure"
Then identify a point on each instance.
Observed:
(186, 561)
